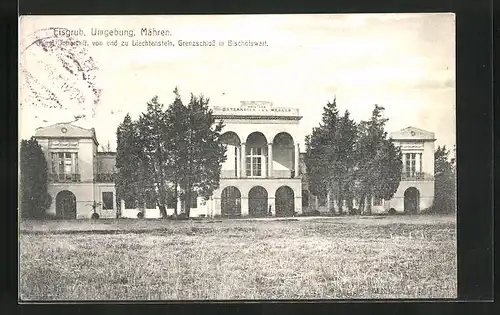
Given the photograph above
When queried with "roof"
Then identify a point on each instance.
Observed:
(413, 133)
(65, 130)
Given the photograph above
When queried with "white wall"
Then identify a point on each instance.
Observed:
(86, 160)
(83, 193)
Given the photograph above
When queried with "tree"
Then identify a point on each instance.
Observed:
(379, 161)
(153, 134)
(445, 181)
(35, 199)
(131, 172)
(177, 118)
(201, 152)
(321, 156)
(330, 155)
(165, 151)
(347, 135)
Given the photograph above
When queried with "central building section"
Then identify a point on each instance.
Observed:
(261, 174)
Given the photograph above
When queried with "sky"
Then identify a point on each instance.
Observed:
(404, 62)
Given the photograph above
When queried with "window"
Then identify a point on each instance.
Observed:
(254, 162)
(410, 165)
(64, 164)
(194, 200)
(377, 201)
(107, 200)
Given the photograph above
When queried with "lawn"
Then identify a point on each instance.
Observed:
(310, 258)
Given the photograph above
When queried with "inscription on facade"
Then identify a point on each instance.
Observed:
(257, 107)
(412, 145)
(63, 144)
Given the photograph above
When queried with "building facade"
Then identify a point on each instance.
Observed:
(263, 175)
(78, 173)
(416, 188)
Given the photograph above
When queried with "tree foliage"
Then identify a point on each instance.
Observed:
(131, 171)
(204, 153)
(177, 150)
(445, 181)
(379, 161)
(34, 198)
(352, 161)
(329, 154)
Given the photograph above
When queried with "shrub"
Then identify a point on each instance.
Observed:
(140, 215)
(95, 216)
(34, 197)
(392, 211)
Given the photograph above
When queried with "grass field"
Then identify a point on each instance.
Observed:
(310, 258)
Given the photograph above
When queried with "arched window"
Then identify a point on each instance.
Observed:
(256, 153)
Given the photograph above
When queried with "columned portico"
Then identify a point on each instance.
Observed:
(262, 160)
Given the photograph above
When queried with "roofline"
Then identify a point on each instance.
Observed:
(260, 117)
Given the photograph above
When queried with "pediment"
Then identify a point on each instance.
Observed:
(413, 133)
(62, 130)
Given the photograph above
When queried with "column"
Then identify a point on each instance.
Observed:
(298, 204)
(271, 201)
(73, 166)
(238, 163)
(270, 160)
(297, 155)
(417, 164)
(404, 165)
(217, 207)
(421, 166)
(243, 160)
(244, 206)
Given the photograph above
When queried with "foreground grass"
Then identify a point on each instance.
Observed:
(398, 257)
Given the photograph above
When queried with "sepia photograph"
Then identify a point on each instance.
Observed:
(237, 157)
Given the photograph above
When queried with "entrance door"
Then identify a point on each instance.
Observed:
(257, 202)
(231, 201)
(285, 202)
(412, 200)
(65, 205)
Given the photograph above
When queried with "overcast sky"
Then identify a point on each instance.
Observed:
(404, 62)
